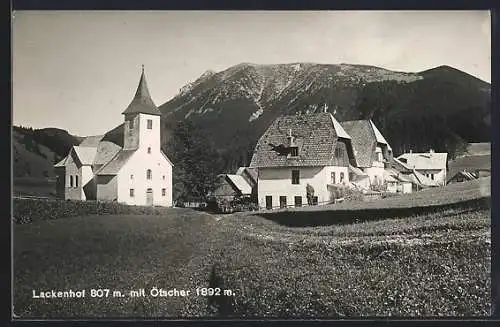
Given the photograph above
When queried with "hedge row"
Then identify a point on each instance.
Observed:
(30, 210)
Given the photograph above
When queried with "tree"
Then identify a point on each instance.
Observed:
(196, 162)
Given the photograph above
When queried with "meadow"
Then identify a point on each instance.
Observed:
(423, 264)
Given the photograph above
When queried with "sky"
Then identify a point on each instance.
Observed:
(78, 70)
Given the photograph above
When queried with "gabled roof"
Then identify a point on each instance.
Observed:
(86, 155)
(364, 140)
(469, 163)
(240, 183)
(61, 163)
(400, 166)
(428, 160)
(105, 152)
(91, 141)
(315, 135)
(465, 174)
(142, 102)
(252, 172)
(164, 155)
(115, 164)
(379, 137)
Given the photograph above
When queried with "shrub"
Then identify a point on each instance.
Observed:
(29, 210)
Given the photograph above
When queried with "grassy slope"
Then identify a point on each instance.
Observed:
(435, 264)
(451, 193)
(114, 252)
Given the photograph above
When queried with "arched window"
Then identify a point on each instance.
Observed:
(149, 174)
(71, 180)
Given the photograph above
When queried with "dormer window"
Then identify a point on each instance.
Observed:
(294, 151)
(338, 152)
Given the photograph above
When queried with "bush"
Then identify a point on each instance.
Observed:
(30, 210)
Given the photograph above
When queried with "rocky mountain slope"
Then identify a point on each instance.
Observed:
(440, 108)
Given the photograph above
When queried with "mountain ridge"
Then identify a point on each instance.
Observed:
(441, 108)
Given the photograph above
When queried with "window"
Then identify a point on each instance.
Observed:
(149, 149)
(432, 176)
(149, 174)
(333, 177)
(341, 178)
(298, 201)
(150, 124)
(131, 124)
(380, 157)
(294, 151)
(295, 177)
(282, 202)
(71, 180)
(131, 192)
(338, 152)
(132, 176)
(269, 202)
(163, 191)
(163, 177)
(76, 181)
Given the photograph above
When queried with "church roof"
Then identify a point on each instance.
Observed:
(115, 164)
(142, 102)
(86, 155)
(91, 141)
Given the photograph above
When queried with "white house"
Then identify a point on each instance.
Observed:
(297, 150)
(372, 152)
(138, 173)
(431, 164)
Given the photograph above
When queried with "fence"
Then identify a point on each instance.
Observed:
(304, 205)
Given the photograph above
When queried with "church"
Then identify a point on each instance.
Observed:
(137, 173)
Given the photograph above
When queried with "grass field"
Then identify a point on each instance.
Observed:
(434, 264)
(113, 252)
(32, 186)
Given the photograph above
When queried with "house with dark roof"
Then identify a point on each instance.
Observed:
(299, 155)
(138, 173)
(432, 165)
(372, 152)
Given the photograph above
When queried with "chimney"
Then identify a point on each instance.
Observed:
(411, 151)
(290, 138)
(431, 151)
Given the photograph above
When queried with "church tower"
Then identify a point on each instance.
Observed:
(142, 121)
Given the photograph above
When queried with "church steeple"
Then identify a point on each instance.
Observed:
(142, 102)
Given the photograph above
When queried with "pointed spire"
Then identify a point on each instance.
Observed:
(142, 102)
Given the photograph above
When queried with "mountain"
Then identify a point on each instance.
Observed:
(441, 108)
(36, 150)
